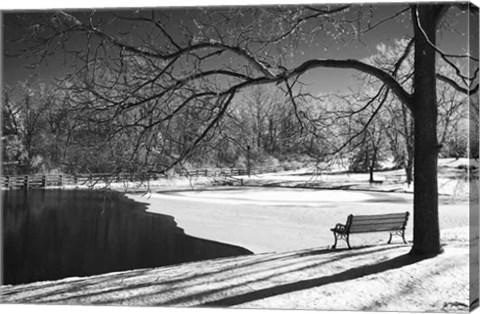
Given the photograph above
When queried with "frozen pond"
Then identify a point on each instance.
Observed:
(264, 219)
(267, 219)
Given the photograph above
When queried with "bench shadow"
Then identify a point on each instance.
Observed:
(351, 274)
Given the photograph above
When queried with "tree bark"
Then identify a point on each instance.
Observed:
(426, 232)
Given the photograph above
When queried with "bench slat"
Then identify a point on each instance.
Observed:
(378, 221)
(375, 227)
(366, 228)
(384, 216)
(374, 230)
(371, 230)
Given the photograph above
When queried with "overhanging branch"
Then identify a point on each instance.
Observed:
(385, 77)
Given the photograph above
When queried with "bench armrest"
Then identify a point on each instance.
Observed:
(339, 228)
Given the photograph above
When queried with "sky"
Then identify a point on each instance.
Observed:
(321, 81)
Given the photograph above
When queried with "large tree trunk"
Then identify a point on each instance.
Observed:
(426, 233)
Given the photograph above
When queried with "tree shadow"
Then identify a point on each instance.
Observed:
(351, 274)
(284, 269)
(247, 268)
(200, 189)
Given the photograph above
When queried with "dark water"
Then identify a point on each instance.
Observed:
(53, 234)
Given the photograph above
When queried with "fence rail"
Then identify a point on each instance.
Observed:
(56, 180)
(217, 172)
(30, 181)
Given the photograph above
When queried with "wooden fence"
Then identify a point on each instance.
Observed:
(56, 180)
(219, 172)
(39, 181)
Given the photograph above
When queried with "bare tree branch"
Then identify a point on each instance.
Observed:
(385, 77)
(366, 125)
(455, 85)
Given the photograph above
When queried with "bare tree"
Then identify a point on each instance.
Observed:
(25, 109)
(399, 126)
(145, 71)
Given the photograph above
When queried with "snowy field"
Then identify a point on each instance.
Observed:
(288, 229)
(283, 219)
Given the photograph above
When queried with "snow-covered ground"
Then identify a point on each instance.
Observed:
(274, 219)
(375, 278)
(452, 181)
(288, 229)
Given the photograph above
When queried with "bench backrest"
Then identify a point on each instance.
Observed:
(374, 223)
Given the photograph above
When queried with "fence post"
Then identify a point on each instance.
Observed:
(7, 182)
(75, 179)
(60, 180)
(44, 181)
(25, 183)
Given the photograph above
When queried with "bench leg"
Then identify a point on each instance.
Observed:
(399, 233)
(334, 244)
(403, 237)
(340, 236)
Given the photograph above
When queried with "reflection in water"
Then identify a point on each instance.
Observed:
(53, 234)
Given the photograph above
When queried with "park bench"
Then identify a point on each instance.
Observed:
(394, 223)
